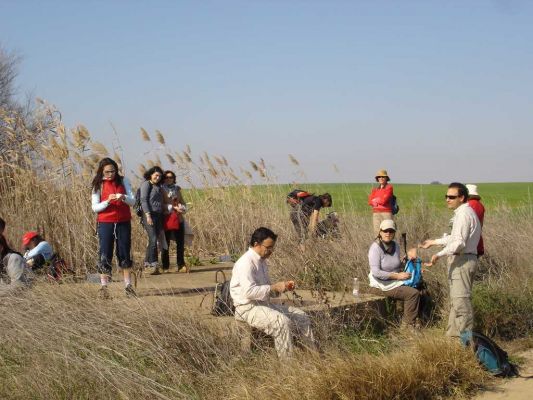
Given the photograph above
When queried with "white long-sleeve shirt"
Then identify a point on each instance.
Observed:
(250, 280)
(99, 205)
(466, 231)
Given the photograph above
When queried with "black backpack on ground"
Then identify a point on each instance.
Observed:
(491, 356)
(222, 301)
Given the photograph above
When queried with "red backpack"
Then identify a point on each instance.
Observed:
(296, 196)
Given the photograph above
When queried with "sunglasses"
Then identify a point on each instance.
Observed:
(448, 197)
(389, 231)
(169, 177)
(380, 177)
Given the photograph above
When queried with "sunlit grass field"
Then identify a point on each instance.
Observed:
(352, 197)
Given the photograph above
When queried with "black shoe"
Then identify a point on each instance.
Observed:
(156, 271)
(129, 291)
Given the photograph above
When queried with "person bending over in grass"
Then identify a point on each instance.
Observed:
(250, 289)
(15, 274)
(112, 197)
(305, 213)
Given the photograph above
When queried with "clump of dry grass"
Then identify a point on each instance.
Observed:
(64, 343)
(426, 368)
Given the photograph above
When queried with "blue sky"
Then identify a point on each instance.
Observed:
(429, 90)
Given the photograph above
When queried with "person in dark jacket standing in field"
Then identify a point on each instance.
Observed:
(474, 201)
(174, 227)
(304, 213)
(111, 199)
(381, 200)
(152, 219)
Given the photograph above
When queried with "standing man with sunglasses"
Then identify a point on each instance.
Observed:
(460, 247)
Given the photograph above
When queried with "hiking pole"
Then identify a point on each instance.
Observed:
(404, 244)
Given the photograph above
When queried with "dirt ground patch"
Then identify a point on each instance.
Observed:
(514, 388)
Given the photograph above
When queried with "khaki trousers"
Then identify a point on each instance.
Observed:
(377, 218)
(278, 321)
(461, 271)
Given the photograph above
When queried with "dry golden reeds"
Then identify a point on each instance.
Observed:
(159, 137)
(99, 149)
(293, 160)
(145, 136)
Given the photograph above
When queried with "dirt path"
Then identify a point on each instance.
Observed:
(515, 388)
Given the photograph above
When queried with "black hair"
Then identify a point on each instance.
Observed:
(261, 234)
(37, 239)
(5, 248)
(148, 174)
(99, 177)
(169, 172)
(327, 197)
(2, 224)
(462, 190)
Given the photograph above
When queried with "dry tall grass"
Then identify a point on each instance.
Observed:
(65, 344)
(59, 342)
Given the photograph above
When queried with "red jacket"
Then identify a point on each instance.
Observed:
(380, 199)
(479, 209)
(116, 211)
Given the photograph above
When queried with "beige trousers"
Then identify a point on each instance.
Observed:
(278, 321)
(377, 218)
(461, 271)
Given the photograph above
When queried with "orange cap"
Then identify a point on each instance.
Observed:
(28, 236)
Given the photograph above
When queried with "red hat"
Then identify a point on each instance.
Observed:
(28, 236)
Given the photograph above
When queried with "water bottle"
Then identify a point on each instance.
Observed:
(355, 290)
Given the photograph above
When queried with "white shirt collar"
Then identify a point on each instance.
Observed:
(460, 207)
(253, 255)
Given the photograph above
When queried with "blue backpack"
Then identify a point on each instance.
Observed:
(491, 356)
(414, 267)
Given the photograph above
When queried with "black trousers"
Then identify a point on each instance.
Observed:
(179, 237)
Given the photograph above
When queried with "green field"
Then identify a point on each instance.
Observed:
(352, 197)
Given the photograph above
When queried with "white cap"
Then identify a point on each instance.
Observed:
(387, 224)
(472, 190)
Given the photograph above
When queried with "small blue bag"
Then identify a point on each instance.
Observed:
(414, 267)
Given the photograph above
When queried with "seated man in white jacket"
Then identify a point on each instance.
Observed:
(251, 289)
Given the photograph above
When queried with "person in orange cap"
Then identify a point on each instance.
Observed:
(38, 251)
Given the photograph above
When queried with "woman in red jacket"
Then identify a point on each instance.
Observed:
(381, 200)
(111, 200)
